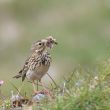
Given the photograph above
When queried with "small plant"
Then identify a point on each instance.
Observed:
(1, 95)
(81, 90)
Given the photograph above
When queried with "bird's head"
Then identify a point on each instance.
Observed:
(51, 42)
(39, 45)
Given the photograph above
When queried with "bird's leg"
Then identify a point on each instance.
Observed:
(37, 85)
(43, 85)
(37, 91)
(46, 91)
(33, 83)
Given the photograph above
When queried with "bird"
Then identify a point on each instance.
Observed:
(38, 63)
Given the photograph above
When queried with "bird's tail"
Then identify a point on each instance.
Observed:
(18, 75)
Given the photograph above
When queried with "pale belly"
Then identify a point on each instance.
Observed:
(38, 73)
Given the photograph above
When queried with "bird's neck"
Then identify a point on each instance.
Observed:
(41, 51)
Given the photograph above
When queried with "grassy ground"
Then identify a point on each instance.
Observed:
(82, 31)
(82, 89)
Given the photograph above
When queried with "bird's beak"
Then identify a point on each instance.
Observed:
(52, 45)
(51, 42)
(56, 42)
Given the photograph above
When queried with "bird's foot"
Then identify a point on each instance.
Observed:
(37, 92)
(46, 92)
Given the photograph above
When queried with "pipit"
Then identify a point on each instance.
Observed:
(37, 65)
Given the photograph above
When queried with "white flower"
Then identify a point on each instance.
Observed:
(1, 82)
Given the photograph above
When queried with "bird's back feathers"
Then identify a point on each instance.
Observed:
(33, 62)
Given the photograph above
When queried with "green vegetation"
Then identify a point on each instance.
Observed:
(82, 29)
(81, 90)
(85, 90)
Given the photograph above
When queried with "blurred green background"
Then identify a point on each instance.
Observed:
(81, 27)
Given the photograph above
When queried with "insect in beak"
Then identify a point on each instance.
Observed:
(56, 43)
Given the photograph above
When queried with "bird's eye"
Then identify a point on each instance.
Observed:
(40, 43)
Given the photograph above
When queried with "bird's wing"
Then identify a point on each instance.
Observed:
(30, 63)
(22, 72)
(25, 69)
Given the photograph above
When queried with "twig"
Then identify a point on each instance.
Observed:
(16, 88)
(52, 80)
(71, 76)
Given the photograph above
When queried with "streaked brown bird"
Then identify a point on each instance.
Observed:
(37, 65)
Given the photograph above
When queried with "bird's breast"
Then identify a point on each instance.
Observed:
(45, 59)
(42, 69)
(39, 67)
(38, 73)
